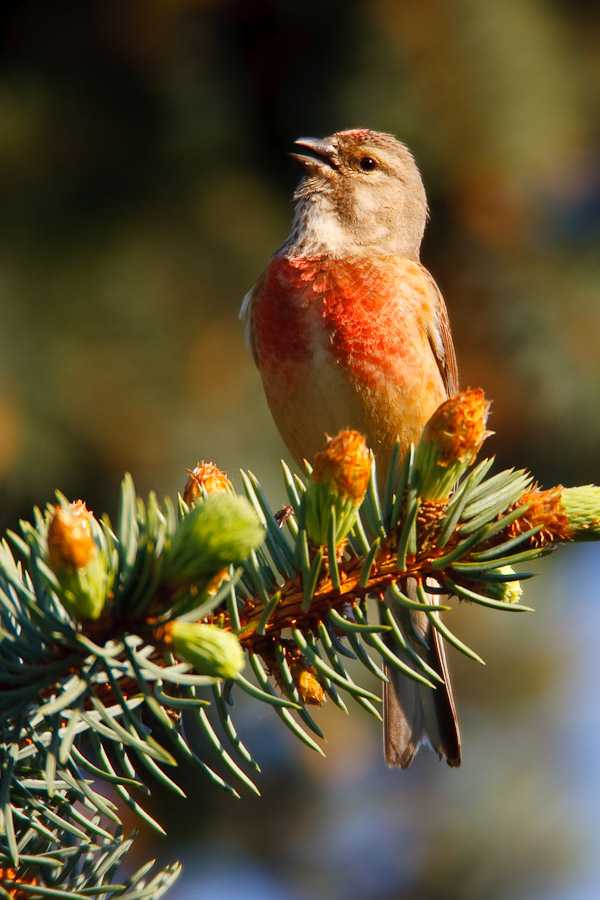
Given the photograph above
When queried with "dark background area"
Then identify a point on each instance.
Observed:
(144, 183)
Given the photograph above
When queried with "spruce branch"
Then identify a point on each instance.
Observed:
(112, 636)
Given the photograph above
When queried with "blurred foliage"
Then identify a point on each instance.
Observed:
(144, 184)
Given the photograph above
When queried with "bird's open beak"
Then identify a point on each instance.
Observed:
(322, 155)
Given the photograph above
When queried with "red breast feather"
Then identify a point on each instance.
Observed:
(344, 343)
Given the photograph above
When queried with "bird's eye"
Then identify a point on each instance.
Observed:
(367, 164)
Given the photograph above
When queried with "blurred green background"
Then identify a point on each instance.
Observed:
(143, 185)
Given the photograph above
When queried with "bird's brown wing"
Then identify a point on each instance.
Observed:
(440, 339)
(247, 317)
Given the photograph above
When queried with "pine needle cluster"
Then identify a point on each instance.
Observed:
(111, 637)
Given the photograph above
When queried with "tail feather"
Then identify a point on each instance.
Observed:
(413, 713)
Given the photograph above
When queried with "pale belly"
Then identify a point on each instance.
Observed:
(322, 397)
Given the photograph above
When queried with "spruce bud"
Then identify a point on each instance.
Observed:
(450, 442)
(205, 478)
(339, 482)
(209, 649)
(74, 558)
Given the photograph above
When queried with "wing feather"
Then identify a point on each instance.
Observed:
(440, 339)
(247, 318)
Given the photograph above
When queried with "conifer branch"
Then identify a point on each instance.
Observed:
(111, 637)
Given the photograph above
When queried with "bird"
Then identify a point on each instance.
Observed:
(349, 330)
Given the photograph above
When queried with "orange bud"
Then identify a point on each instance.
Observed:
(457, 427)
(303, 674)
(70, 541)
(205, 477)
(545, 512)
(8, 874)
(344, 465)
(309, 687)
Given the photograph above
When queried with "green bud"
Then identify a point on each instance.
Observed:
(220, 531)
(318, 505)
(83, 591)
(581, 505)
(505, 591)
(209, 649)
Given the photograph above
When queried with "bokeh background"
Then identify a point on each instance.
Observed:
(143, 184)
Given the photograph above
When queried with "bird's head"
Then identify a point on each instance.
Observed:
(361, 189)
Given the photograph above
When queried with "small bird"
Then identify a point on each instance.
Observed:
(349, 330)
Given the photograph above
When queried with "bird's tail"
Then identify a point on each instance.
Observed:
(413, 713)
